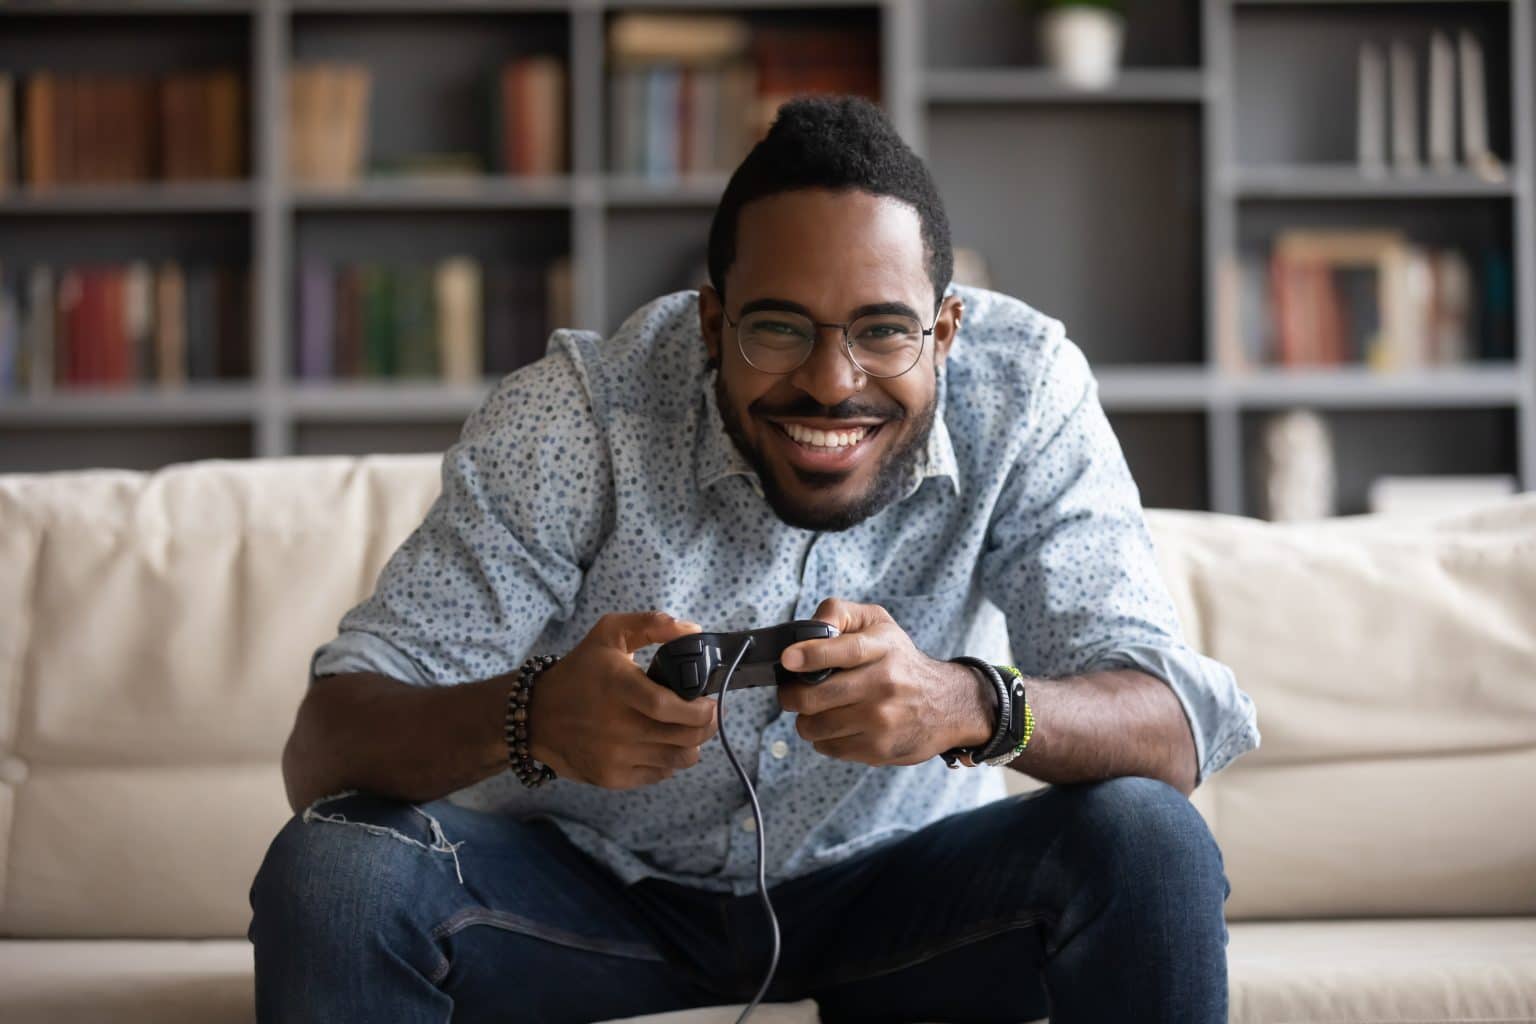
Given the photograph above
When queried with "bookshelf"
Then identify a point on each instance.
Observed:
(1116, 212)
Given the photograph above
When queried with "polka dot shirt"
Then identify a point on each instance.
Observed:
(600, 479)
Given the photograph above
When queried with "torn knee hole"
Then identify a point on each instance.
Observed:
(439, 841)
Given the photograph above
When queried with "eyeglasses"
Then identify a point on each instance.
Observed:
(880, 344)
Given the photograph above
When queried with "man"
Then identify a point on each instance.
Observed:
(814, 434)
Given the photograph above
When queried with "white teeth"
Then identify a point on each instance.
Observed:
(825, 439)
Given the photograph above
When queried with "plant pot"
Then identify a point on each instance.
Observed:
(1082, 45)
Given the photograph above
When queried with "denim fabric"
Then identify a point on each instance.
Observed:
(1088, 902)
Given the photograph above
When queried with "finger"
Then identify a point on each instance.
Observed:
(830, 725)
(630, 631)
(658, 755)
(837, 690)
(850, 650)
(678, 735)
(849, 616)
(656, 702)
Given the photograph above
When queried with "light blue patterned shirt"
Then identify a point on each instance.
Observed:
(601, 479)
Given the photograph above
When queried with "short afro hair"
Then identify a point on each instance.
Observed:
(833, 142)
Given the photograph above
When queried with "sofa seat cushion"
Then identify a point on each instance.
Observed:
(126, 981)
(1424, 970)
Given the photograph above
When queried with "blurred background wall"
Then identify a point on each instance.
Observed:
(1295, 239)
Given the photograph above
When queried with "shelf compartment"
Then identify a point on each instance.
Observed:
(653, 252)
(1166, 453)
(1004, 33)
(1007, 85)
(1289, 62)
(336, 437)
(116, 200)
(1345, 181)
(1091, 214)
(376, 401)
(202, 403)
(490, 192)
(128, 445)
(1368, 443)
(432, 79)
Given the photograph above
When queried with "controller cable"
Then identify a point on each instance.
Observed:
(757, 815)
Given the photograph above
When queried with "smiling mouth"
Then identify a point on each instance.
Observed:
(828, 440)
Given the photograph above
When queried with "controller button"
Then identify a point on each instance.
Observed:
(808, 633)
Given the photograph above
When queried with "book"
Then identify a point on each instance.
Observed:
(40, 329)
(7, 134)
(328, 110)
(170, 325)
(1437, 495)
(457, 288)
(1475, 149)
(530, 121)
(1442, 137)
(317, 321)
(1405, 109)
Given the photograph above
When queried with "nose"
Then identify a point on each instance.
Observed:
(828, 374)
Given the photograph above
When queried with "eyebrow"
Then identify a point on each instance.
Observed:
(869, 309)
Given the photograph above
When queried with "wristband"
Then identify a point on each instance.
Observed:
(530, 773)
(1000, 732)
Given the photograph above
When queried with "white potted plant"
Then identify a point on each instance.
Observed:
(1082, 40)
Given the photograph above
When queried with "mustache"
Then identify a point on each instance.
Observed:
(848, 410)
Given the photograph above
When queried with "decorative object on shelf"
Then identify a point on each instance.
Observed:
(1436, 495)
(1083, 40)
(1298, 466)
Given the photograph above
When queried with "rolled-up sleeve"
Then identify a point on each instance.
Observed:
(1070, 562)
(526, 494)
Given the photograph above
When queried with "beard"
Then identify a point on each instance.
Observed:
(890, 476)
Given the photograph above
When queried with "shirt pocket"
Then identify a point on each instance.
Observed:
(935, 621)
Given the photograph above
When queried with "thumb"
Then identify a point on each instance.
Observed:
(630, 631)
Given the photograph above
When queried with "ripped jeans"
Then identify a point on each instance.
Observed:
(1087, 902)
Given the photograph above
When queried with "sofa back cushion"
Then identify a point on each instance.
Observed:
(155, 631)
(1393, 665)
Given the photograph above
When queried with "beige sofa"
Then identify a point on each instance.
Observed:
(155, 631)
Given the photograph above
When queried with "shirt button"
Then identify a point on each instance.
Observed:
(749, 824)
(780, 749)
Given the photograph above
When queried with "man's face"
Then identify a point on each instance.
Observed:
(827, 255)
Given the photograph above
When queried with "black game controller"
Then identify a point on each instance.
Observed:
(693, 666)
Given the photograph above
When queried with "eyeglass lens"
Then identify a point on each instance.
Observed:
(884, 345)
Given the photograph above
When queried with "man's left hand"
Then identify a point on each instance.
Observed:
(888, 702)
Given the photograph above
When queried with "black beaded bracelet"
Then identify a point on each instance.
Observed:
(530, 773)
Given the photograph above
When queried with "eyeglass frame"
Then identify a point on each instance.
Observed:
(847, 341)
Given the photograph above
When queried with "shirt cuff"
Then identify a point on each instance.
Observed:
(356, 651)
(1221, 716)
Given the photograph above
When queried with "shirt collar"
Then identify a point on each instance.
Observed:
(716, 456)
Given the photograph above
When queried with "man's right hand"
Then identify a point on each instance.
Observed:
(596, 717)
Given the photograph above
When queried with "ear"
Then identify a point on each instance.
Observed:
(711, 320)
(946, 327)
